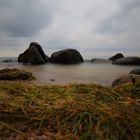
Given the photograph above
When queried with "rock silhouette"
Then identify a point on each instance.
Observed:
(33, 55)
(116, 56)
(127, 61)
(67, 56)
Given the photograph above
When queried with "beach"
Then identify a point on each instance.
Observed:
(68, 102)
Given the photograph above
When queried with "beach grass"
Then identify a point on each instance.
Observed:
(69, 112)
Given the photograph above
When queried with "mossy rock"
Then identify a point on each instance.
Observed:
(15, 74)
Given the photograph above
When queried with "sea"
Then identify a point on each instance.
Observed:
(99, 72)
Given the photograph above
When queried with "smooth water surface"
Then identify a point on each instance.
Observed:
(101, 73)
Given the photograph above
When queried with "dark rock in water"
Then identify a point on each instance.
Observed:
(7, 61)
(33, 55)
(127, 61)
(47, 58)
(126, 78)
(67, 56)
(135, 71)
(15, 74)
(116, 56)
(98, 60)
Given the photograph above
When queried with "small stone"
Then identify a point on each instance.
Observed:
(52, 80)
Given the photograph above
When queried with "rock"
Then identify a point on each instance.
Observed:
(47, 58)
(33, 55)
(67, 56)
(52, 80)
(15, 74)
(98, 60)
(127, 61)
(7, 61)
(116, 56)
(135, 71)
(126, 78)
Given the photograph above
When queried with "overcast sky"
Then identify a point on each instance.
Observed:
(95, 26)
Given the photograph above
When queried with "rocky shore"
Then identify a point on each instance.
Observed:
(35, 55)
(73, 111)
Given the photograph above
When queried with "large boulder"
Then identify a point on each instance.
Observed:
(15, 74)
(127, 61)
(126, 78)
(135, 71)
(33, 55)
(67, 56)
(116, 56)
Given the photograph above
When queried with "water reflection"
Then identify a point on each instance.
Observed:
(101, 73)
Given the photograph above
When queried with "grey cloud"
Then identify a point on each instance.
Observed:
(89, 25)
(124, 21)
(23, 18)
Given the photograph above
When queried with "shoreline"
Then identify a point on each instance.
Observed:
(99, 73)
(76, 110)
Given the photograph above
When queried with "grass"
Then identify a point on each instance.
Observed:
(71, 112)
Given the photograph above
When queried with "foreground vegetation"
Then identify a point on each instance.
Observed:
(72, 112)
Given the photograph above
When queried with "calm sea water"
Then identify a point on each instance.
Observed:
(101, 73)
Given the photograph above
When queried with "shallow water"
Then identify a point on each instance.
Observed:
(100, 73)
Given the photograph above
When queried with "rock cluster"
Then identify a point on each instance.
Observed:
(127, 61)
(35, 55)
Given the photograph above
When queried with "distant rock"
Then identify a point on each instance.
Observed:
(116, 56)
(127, 61)
(123, 79)
(135, 71)
(67, 56)
(98, 60)
(33, 55)
(15, 74)
(7, 61)
(52, 80)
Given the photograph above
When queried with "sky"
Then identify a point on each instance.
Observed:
(94, 27)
